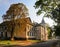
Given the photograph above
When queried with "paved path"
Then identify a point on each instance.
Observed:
(50, 43)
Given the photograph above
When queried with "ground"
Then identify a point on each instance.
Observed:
(18, 42)
(30, 43)
(50, 43)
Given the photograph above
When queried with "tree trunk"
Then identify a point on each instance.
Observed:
(12, 33)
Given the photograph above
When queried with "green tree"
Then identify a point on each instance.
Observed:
(56, 18)
(14, 13)
(50, 31)
(51, 9)
(46, 5)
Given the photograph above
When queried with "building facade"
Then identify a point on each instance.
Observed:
(39, 31)
(25, 29)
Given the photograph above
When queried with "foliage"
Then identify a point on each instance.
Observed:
(46, 6)
(50, 31)
(57, 29)
(13, 15)
(56, 18)
(56, 14)
(16, 11)
(51, 9)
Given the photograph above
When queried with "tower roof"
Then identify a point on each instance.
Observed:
(42, 22)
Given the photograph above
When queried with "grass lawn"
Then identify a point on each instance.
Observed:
(16, 42)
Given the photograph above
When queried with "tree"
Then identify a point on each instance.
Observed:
(51, 9)
(56, 18)
(16, 11)
(50, 31)
(46, 5)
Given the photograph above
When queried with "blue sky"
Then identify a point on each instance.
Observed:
(5, 4)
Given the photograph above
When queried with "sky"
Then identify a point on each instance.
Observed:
(5, 4)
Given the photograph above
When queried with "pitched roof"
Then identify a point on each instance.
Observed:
(43, 22)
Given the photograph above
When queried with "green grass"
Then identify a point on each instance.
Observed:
(6, 42)
(34, 40)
